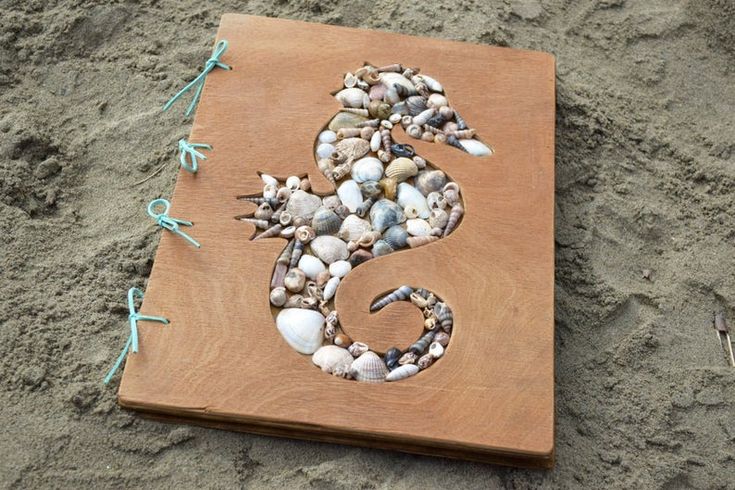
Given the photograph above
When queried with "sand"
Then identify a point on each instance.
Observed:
(645, 180)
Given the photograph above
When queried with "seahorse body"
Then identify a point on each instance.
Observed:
(386, 198)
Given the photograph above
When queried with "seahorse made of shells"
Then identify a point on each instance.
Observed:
(386, 198)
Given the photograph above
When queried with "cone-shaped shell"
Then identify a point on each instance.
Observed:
(418, 241)
(401, 169)
(400, 294)
(369, 368)
(402, 372)
(302, 329)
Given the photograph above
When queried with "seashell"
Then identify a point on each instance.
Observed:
(461, 123)
(261, 224)
(400, 294)
(309, 303)
(302, 329)
(352, 97)
(408, 195)
(445, 316)
(343, 340)
(269, 180)
(287, 232)
(278, 296)
(329, 249)
(305, 184)
(390, 79)
(295, 280)
(285, 256)
(340, 268)
(418, 241)
(311, 266)
(436, 200)
(377, 92)
(436, 101)
(438, 218)
(437, 232)
(389, 187)
(370, 123)
(368, 239)
(327, 136)
(441, 338)
(285, 218)
(264, 211)
(379, 109)
(358, 348)
(422, 344)
(381, 247)
(454, 216)
(331, 288)
(391, 95)
(331, 359)
(370, 189)
(475, 147)
(303, 204)
(411, 211)
(428, 136)
(367, 133)
(305, 234)
(430, 181)
(453, 141)
(368, 368)
(447, 113)
(384, 214)
(283, 194)
(322, 277)
(407, 358)
(324, 150)
(430, 323)
(270, 232)
(425, 361)
(331, 201)
(366, 169)
(359, 256)
(436, 350)
(418, 228)
(326, 167)
(294, 301)
(402, 372)
(386, 140)
(342, 211)
(298, 250)
(451, 193)
(432, 84)
(414, 131)
(350, 149)
(401, 169)
(402, 150)
(353, 227)
(406, 121)
(394, 119)
(269, 191)
(396, 67)
(348, 132)
(375, 141)
(362, 209)
(423, 117)
(415, 105)
(325, 222)
(350, 80)
(396, 237)
(345, 120)
(434, 123)
(350, 195)
(391, 357)
(279, 274)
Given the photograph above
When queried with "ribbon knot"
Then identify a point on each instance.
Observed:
(133, 318)
(198, 82)
(165, 221)
(190, 149)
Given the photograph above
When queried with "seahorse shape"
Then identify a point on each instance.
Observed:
(386, 198)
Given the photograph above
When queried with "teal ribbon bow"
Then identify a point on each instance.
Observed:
(198, 82)
(190, 149)
(134, 317)
(170, 224)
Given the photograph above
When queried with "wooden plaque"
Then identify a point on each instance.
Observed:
(221, 362)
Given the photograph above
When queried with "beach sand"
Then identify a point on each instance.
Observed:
(645, 181)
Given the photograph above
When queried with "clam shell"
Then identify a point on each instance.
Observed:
(367, 168)
(408, 195)
(401, 169)
(432, 84)
(302, 329)
(389, 79)
(350, 195)
(381, 247)
(369, 368)
(396, 237)
(402, 372)
(353, 227)
(311, 266)
(475, 147)
(303, 204)
(327, 136)
(384, 214)
(325, 222)
(324, 150)
(418, 227)
(329, 249)
(340, 268)
(430, 181)
(353, 97)
(345, 120)
(330, 288)
(415, 105)
(332, 359)
(436, 100)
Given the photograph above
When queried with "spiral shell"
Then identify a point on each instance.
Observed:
(264, 211)
(414, 131)
(305, 234)
(401, 169)
(442, 338)
(422, 344)
(369, 368)
(454, 216)
(438, 218)
(400, 294)
(418, 241)
(445, 316)
(436, 350)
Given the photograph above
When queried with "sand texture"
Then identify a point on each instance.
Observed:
(645, 177)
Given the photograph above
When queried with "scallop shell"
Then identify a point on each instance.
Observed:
(401, 169)
(340, 268)
(384, 214)
(418, 227)
(475, 147)
(366, 169)
(303, 204)
(352, 97)
(353, 227)
(302, 329)
(311, 266)
(396, 237)
(329, 249)
(369, 368)
(408, 195)
(381, 247)
(350, 195)
(430, 181)
(390, 79)
(332, 359)
(330, 288)
(325, 222)
(402, 372)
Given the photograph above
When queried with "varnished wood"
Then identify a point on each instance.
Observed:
(222, 362)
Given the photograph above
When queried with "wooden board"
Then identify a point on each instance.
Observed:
(221, 361)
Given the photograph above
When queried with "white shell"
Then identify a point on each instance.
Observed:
(331, 288)
(340, 268)
(436, 100)
(329, 248)
(303, 204)
(332, 358)
(353, 97)
(324, 150)
(353, 227)
(327, 136)
(293, 183)
(475, 147)
(408, 195)
(432, 84)
(311, 266)
(418, 227)
(302, 329)
(375, 141)
(402, 372)
(268, 180)
(391, 78)
(350, 195)
(369, 368)
(436, 350)
(367, 168)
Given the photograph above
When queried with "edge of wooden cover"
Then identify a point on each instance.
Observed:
(150, 387)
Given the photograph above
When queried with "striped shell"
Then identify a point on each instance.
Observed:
(369, 368)
(401, 169)
(325, 222)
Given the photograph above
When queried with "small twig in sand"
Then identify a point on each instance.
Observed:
(158, 171)
(723, 333)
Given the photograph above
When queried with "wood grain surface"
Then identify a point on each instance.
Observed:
(222, 362)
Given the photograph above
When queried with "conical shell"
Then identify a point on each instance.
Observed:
(353, 227)
(401, 169)
(303, 204)
(409, 196)
(332, 359)
(384, 214)
(402, 372)
(418, 241)
(400, 294)
(302, 329)
(454, 216)
(329, 249)
(369, 368)
(325, 222)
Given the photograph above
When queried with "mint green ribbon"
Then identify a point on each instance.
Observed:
(190, 149)
(168, 223)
